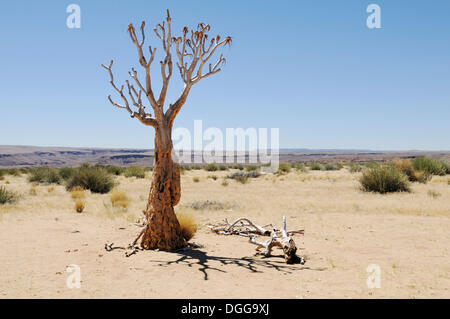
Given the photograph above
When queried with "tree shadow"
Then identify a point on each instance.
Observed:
(191, 257)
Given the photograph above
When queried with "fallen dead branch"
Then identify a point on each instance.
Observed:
(278, 237)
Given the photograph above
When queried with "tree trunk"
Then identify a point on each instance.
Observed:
(163, 229)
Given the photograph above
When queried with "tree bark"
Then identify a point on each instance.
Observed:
(163, 229)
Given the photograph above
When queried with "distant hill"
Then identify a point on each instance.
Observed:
(32, 156)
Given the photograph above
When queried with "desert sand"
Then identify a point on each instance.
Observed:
(406, 234)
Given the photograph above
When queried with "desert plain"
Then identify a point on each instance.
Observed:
(405, 234)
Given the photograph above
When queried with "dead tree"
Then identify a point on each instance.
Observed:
(278, 237)
(194, 50)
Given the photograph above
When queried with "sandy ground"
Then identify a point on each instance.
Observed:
(406, 235)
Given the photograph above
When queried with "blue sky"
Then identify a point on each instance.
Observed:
(311, 68)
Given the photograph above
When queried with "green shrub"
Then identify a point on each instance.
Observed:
(250, 168)
(13, 172)
(370, 164)
(406, 167)
(238, 166)
(355, 168)
(243, 177)
(66, 172)
(299, 167)
(115, 170)
(211, 168)
(44, 175)
(315, 167)
(134, 171)
(384, 179)
(223, 168)
(429, 165)
(331, 167)
(95, 179)
(7, 197)
(284, 168)
(446, 166)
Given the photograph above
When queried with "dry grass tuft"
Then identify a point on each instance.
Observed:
(79, 205)
(196, 179)
(77, 193)
(33, 190)
(6, 196)
(433, 193)
(188, 224)
(119, 199)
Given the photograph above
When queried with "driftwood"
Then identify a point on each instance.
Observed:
(278, 237)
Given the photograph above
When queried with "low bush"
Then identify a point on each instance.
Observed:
(331, 167)
(134, 171)
(370, 164)
(406, 167)
(211, 168)
(446, 166)
(239, 175)
(115, 170)
(95, 179)
(44, 175)
(250, 168)
(300, 167)
(315, 167)
(429, 165)
(384, 179)
(66, 172)
(6, 196)
(355, 168)
(13, 172)
(284, 168)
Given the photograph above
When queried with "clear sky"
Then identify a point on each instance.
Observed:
(311, 68)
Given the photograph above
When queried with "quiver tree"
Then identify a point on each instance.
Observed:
(194, 49)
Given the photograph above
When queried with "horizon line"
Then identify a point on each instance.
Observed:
(281, 149)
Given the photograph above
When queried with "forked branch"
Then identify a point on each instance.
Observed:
(145, 118)
(194, 49)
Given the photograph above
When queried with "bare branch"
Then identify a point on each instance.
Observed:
(193, 49)
(140, 115)
(146, 65)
